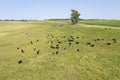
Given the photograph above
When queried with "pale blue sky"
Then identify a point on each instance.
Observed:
(46, 9)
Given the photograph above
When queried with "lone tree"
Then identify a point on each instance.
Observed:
(74, 16)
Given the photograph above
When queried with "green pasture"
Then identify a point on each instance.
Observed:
(112, 23)
(93, 53)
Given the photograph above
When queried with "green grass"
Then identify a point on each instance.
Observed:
(112, 23)
(101, 62)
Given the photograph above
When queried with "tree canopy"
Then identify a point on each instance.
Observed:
(74, 16)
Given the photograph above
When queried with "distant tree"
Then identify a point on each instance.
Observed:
(75, 16)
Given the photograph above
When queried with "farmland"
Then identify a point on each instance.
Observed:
(112, 23)
(57, 50)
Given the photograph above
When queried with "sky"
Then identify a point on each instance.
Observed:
(47, 9)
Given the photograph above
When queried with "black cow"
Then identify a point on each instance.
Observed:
(20, 61)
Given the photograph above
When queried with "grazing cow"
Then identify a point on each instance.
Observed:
(70, 40)
(20, 61)
(95, 40)
(78, 50)
(53, 53)
(70, 43)
(52, 47)
(34, 49)
(83, 37)
(38, 52)
(31, 42)
(18, 48)
(98, 39)
(59, 42)
(108, 43)
(22, 51)
(64, 48)
(57, 52)
(114, 39)
(88, 43)
(77, 37)
(64, 36)
(92, 45)
(57, 47)
(37, 40)
(71, 36)
(77, 42)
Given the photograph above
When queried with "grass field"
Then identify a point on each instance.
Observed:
(112, 23)
(53, 50)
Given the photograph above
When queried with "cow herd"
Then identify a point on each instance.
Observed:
(57, 44)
